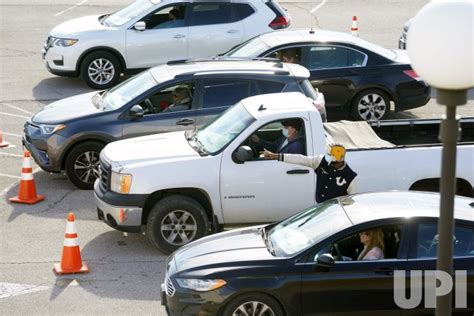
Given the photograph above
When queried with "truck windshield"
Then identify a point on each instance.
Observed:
(128, 90)
(305, 229)
(126, 14)
(220, 132)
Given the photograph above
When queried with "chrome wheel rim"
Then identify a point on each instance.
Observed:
(101, 71)
(86, 166)
(178, 227)
(253, 308)
(371, 107)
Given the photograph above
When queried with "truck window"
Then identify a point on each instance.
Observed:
(284, 136)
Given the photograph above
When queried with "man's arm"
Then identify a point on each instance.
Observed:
(312, 162)
(352, 188)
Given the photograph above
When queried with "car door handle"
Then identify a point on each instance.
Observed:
(298, 171)
(232, 31)
(387, 271)
(178, 36)
(185, 122)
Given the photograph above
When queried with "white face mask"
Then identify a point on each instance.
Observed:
(284, 131)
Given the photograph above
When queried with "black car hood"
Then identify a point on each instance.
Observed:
(224, 249)
(66, 109)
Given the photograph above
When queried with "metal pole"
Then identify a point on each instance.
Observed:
(449, 136)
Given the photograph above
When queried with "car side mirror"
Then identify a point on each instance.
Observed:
(136, 111)
(242, 154)
(325, 260)
(140, 26)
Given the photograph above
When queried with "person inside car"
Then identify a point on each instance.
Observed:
(290, 143)
(181, 100)
(289, 55)
(374, 246)
(174, 20)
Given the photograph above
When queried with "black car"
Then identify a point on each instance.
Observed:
(354, 75)
(309, 264)
(69, 134)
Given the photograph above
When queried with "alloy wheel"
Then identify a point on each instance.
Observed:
(372, 107)
(86, 166)
(253, 308)
(178, 227)
(101, 71)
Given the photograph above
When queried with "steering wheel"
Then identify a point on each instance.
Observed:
(338, 252)
(150, 107)
(252, 146)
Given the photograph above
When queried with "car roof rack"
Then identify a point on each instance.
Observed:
(224, 58)
(199, 72)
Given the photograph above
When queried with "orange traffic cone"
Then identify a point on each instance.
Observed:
(27, 193)
(71, 261)
(354, 28)
(2, 143)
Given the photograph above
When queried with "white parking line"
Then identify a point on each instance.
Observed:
(11, 134)
(14, 115)
(16, 108)
(71, 8)
(316, 8)
(11, 155)
(14, 289)
(9, 176)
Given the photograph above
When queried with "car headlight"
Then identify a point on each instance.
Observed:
(201, 285)
(50, 129)
(63, 42)
(120, 182)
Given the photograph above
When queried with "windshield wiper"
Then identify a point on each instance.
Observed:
(267, 241)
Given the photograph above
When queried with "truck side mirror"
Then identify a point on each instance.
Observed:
(242, 154)
(140, 26)
(325, 260)
(136, 111)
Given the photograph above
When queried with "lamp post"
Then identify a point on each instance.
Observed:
(441, 48)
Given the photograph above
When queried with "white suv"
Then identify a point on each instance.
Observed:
(150, 32)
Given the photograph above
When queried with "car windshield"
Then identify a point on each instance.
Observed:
(129, 12)
(252, 48)
(217, 134)
(120, 95)
(308, 227)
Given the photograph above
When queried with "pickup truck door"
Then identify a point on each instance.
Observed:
(260, 190)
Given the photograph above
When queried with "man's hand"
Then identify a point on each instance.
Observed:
(255, 139)
(268, 155)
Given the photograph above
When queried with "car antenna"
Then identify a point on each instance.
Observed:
(262, 108)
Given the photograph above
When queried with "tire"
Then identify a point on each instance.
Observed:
(253, 303)
(100, 70)
(82, 164)
(166, 217)
(371, 104)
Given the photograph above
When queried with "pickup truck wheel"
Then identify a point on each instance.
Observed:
(254, 304)
(82, 164)
(370, 105)
(175, 221)
(100, 70)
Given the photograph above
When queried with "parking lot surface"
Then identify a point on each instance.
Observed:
(126, 271)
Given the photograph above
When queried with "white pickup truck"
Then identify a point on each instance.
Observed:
(181, 186)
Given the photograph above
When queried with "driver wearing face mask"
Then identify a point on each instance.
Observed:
(290, 143)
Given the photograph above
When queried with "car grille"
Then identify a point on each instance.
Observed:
(104, 176)
(170, 290)
(28, 129)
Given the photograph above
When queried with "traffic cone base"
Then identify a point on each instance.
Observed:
(58, 270)
(4, 144)
(71, 261)
(36, 199)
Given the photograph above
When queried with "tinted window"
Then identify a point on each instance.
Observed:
(243, 10)
(323, 57)
(270, 87)
(226, 92)
(167, 17)
(211, 13)
(427, 241)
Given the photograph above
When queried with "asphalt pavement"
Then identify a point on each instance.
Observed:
(126, 271)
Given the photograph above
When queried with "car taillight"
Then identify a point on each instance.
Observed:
(280, 22)
(412, 74)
